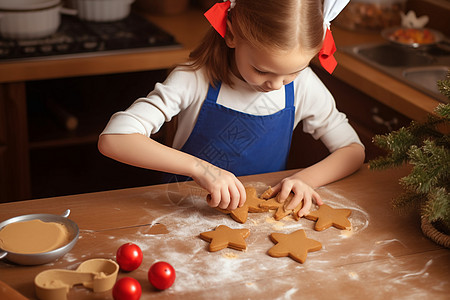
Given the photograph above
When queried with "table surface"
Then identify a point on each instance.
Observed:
(385, 255)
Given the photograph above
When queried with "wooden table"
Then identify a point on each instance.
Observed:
(385, 255)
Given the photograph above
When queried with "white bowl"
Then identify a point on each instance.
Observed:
(103, 10)
(26, 4)
(30, 24)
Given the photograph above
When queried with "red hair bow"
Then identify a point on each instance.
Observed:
(326, 57)
(217, 16)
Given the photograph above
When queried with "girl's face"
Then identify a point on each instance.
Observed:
(266, 70)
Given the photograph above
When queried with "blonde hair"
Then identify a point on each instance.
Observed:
(269, 24)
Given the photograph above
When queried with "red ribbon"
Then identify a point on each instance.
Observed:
(217, 16)
(326, 57)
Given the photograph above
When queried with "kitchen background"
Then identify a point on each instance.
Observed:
(65, 115)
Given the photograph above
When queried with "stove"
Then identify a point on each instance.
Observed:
(76, 38)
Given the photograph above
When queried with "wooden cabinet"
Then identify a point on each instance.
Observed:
(65, 160)
(13, 142)
(41, 157)
(367, 115)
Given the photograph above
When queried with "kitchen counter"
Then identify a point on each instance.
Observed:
(187, 28)
(384, 256)
(380, 86)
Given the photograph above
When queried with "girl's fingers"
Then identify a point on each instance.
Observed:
(306, 206)
(242, 193)
(295, 201)
(307, 203)
(234, 198)
(224, 199)
(213, 200)
(283, 194)
(276, 189)
(317, 198)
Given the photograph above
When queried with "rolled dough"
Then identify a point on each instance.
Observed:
(33, 236)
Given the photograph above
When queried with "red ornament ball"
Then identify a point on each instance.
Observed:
(161, 275)
(127, 288)
(129, 257)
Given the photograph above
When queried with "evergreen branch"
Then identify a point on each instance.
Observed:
(437, 206)
(430, 167)
(426, 146)
(443, 110)
(444, 86)
(396, 143)
(408, 201)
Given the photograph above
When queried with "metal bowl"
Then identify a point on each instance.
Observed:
(45, 257)
(438, 38)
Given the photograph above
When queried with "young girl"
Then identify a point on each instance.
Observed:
(238, 100)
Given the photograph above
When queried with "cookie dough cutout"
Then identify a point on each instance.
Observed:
(225, 237)
(281, 211)
(267, 194)
(326, 216)
(294, 245)
(252, 204)
(33, 236)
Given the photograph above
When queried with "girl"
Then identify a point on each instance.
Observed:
(238, 100)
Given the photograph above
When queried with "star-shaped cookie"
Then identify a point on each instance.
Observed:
(326, 216)
(252, 204)
(224, 236)
(273, 203)
(295, 245)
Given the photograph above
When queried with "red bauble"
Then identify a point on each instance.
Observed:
(161, 275)
(129, 257)
(127, 288)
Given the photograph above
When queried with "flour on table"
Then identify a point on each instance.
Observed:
(186, 215)
(197, 269)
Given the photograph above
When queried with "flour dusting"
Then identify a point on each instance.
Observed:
(197, 268)
(186, 215)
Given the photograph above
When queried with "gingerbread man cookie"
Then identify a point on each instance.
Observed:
(252, 204)
(224, 236)
(295, 245)
(326, 216)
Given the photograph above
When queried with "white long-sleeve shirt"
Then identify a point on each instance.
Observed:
(184, 91)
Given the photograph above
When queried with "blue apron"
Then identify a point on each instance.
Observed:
(241, 143)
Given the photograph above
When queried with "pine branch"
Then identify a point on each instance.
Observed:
(408, 201)
(430, 167)
(426, 146)
(437, 207)
(444, 86)
(396, 143)
(443, 110)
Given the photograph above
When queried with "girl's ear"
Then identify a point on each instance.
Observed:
(230, 37)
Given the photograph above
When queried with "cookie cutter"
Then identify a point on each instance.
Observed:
(97, 274)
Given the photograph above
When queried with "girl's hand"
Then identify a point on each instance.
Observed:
(226, 191)
(301, 191)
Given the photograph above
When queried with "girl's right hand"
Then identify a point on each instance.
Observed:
(226, 191)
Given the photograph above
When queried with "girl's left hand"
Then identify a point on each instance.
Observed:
(301, 191)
